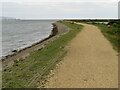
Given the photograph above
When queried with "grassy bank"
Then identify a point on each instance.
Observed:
(112, 34)
(31, 71)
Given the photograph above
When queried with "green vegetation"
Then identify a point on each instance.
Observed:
(97, 20)
(112, 34)
(32, 71)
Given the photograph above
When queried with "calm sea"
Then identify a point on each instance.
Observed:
(18, 34)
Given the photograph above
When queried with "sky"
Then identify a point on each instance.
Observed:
(59, 9)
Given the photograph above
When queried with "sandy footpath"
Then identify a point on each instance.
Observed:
(90, 63)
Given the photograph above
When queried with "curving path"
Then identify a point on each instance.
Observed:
(90, 63)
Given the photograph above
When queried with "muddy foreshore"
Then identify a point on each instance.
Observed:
(58, 29)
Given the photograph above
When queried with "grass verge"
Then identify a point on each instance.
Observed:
(31, 71)
(112, 34)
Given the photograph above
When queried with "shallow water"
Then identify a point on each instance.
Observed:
(18, 34)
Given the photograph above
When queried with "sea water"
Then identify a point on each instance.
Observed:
(19, 34)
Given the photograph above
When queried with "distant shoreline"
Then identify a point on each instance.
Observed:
(9, 59)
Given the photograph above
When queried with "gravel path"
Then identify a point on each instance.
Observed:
(90, 63)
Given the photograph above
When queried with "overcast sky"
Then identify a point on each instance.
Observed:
(59, 9)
